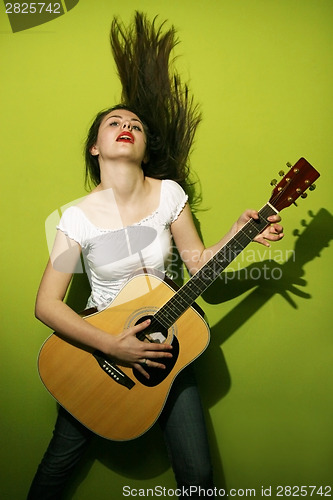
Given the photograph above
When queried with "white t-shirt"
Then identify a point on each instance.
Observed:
(111, 256)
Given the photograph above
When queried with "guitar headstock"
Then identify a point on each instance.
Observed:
(300, 177)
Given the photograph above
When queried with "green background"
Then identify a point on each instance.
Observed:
(262, 72)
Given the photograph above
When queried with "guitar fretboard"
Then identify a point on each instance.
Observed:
(205, 276)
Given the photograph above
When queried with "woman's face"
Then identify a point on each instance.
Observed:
(121, 135)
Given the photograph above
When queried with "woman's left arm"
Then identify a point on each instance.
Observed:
(192, 250)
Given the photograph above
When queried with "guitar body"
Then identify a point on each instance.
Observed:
(75, 378)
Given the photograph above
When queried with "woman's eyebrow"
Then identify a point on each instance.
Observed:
(131, 119)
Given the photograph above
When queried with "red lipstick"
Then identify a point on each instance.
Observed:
(125, 137)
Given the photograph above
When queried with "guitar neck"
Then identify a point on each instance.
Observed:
(205, 276)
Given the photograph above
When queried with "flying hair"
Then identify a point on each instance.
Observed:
(153, 90)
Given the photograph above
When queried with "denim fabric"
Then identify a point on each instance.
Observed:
(66, 448)
(183, 427)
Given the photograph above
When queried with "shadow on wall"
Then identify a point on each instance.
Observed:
(316, 235)
(146, 457)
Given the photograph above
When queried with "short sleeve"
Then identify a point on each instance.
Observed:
(174, 200)
(72, 225)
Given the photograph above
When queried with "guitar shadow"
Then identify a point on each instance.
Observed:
(146, 456)
(291, 285)
(287, 278)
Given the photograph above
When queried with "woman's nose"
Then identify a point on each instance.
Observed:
(127, 125)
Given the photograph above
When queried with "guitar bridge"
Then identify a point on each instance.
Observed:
(112, 370)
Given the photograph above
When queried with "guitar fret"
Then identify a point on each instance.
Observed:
(249, 232)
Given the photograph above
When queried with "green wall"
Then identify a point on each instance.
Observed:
(262, 71)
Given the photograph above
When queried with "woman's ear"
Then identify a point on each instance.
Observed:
(94, 150)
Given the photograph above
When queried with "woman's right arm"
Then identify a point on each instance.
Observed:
(55, 313)
(52, 311)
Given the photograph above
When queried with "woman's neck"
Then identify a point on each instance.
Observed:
(125, 179)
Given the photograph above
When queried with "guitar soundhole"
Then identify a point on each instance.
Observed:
(156, 332)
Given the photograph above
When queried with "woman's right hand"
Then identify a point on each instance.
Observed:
(128, 350)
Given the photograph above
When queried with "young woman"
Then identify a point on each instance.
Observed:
(136, 156)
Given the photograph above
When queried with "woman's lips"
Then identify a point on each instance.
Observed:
(125, 137)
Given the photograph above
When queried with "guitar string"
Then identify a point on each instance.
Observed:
(175, 307)
(241, 238)
(197, 284)
(204, 277)
(199, 280)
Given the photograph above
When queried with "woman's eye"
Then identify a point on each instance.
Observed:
(136, 127)
(113, 124)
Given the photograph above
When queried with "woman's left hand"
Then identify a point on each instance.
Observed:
(274, 232)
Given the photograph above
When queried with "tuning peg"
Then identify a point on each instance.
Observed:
(304, 195)
(273, 182)
(281, 173)
(312, 187)
(289, 165)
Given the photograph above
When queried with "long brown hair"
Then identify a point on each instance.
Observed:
(153, 91)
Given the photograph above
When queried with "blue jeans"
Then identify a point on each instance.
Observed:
(184, 431)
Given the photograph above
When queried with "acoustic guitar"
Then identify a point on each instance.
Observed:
(116, 402)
